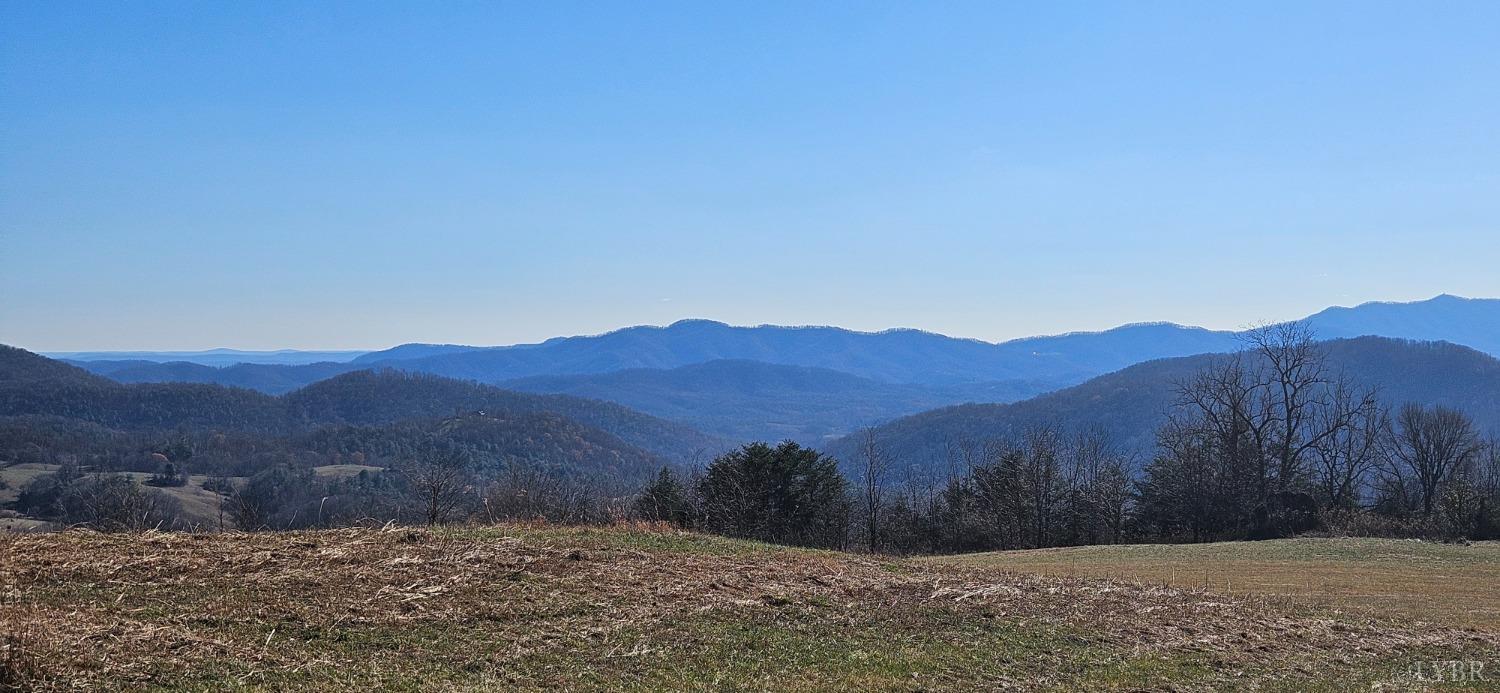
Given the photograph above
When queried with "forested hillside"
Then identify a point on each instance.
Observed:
(377, 397)
(77, 448)
(1131, 404)
(34, 385)
(751, 400)
(274, 379)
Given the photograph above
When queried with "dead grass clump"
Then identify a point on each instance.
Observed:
(1352, 523)
(19, 669)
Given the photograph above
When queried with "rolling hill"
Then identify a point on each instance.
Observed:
(751, 400)
(1131, 403)
(379, 397)
(32, 385)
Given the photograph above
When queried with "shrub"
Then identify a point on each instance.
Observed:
(112, 502)
(1345, 522)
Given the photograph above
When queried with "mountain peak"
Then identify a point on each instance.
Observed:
(687, 323)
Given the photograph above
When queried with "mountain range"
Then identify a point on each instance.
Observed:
(212, 357)
(813, 384)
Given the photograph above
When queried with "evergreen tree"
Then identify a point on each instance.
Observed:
(664, 500)
(787, 494)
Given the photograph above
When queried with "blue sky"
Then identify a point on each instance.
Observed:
(321, 175)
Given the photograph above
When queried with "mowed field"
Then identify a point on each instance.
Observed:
(1449, 584)
(523, 607)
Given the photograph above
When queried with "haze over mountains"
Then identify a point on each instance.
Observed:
(212, 357)
(753, 400)
(1132, 403)
(815, 383)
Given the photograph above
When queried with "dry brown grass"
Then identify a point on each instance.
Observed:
(538, 607)
(19, 669)
(1445, 584)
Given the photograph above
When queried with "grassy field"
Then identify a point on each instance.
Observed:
(345, 470)
(199, 505)
(512, 607)
(16, 476)
(1448, 584)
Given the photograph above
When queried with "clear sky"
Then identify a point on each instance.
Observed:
(347, 175)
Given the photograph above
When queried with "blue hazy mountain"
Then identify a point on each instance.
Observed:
(1472, 322)
(211, 357)
(1132, 403)
(753, 400)
(893, 356)
(915, 356)
(406, 352)
(274, 379)
(890, 373)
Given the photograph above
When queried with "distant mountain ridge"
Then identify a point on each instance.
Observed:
(212, 357)
(406, 352)
(901, 368)
(1471, 322)
(1131, 403)
(896, 355)
(753, 400)
(274, 379)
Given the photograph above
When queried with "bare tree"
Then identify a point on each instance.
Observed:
(528, 492)
(440, 478)
(1487, 474)
(1111, 493)
(1275, 407)
(1425, 449)
(115, 502)
(1098, 483)
(1346, 456)
(1298, 399)
(1222, 410)
(1040, 477)
(1027, 493)
(874, 467)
